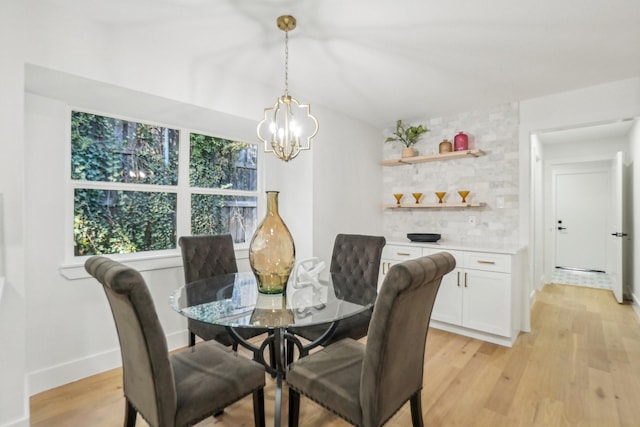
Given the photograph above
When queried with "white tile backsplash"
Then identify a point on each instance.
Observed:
(494, 131)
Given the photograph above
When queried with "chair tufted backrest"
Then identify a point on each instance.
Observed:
(357, 257)
(393, 365)
(207, 255)
(147, 373)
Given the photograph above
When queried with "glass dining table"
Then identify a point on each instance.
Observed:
(233, 301)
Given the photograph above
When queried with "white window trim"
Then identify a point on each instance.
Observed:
(73, 267)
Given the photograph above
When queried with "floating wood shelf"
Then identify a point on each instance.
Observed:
(432, 158)
(435, 205)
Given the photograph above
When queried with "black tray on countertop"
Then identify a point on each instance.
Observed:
(423, 237)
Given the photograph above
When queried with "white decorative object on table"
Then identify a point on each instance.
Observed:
(307, 273)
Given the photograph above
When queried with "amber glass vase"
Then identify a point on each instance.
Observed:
(271, 310)
(272, 252)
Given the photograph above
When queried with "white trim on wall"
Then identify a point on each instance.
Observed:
(92, 364)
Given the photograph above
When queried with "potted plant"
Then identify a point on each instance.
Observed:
(408, 135)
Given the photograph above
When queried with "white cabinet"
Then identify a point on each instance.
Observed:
(486, 301)
(478, 298)
(393, 254)
(448, 307)
(477, 294)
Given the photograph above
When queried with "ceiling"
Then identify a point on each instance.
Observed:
(600, 132)
(383, 60)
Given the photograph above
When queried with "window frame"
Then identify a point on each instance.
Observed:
(150, 260)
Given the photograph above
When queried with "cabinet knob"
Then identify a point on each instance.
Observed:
(485, 262)
(403, 254)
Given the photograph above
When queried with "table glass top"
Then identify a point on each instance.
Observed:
(234, 300)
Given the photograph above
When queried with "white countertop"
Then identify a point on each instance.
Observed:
(463, 246)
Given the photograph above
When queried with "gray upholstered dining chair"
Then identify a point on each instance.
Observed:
(170, 390)
(355, 262)
(205, 256)
(366, 384)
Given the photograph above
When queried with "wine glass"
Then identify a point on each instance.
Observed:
(440, 195)
(417, 197)
(464, 194)
(398, 196)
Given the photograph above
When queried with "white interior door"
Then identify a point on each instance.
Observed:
(581, 202)
(615, 240)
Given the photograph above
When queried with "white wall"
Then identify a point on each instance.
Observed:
(537, 213)
(347, 182)
(634, 141)
(13, 402)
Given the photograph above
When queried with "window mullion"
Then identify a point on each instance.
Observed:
(184, 190)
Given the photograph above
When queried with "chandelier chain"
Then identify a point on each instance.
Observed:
(286, 63)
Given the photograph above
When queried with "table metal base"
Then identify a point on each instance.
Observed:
(281, 347)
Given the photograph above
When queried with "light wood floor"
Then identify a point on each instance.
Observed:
(579, 366)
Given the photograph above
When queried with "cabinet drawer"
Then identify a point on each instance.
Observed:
(459, 256)
(400, 253)
(488, 261)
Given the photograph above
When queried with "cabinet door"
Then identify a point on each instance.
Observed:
(385, 265)
(448, 305)
(486, 301)
(394, 254)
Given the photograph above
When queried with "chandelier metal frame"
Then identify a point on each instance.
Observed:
(282, 134)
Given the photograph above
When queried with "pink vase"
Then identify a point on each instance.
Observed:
(461, 142)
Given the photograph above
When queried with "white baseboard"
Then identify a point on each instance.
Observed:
(22, 422)
(495, 339)
(177, 340)
(64, 373)
(635, 304)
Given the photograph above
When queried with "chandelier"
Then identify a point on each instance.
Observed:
(287, 126)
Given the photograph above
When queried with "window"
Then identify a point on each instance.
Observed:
(217, 166)
(125, 179)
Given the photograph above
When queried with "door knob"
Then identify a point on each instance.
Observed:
(562, 228)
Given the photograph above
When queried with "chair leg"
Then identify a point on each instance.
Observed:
(272, 355)
(416, 410)
(130, 414)
(258, 408)
(192, 339)
(294, 407)
(234, 346)
(289, 353)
